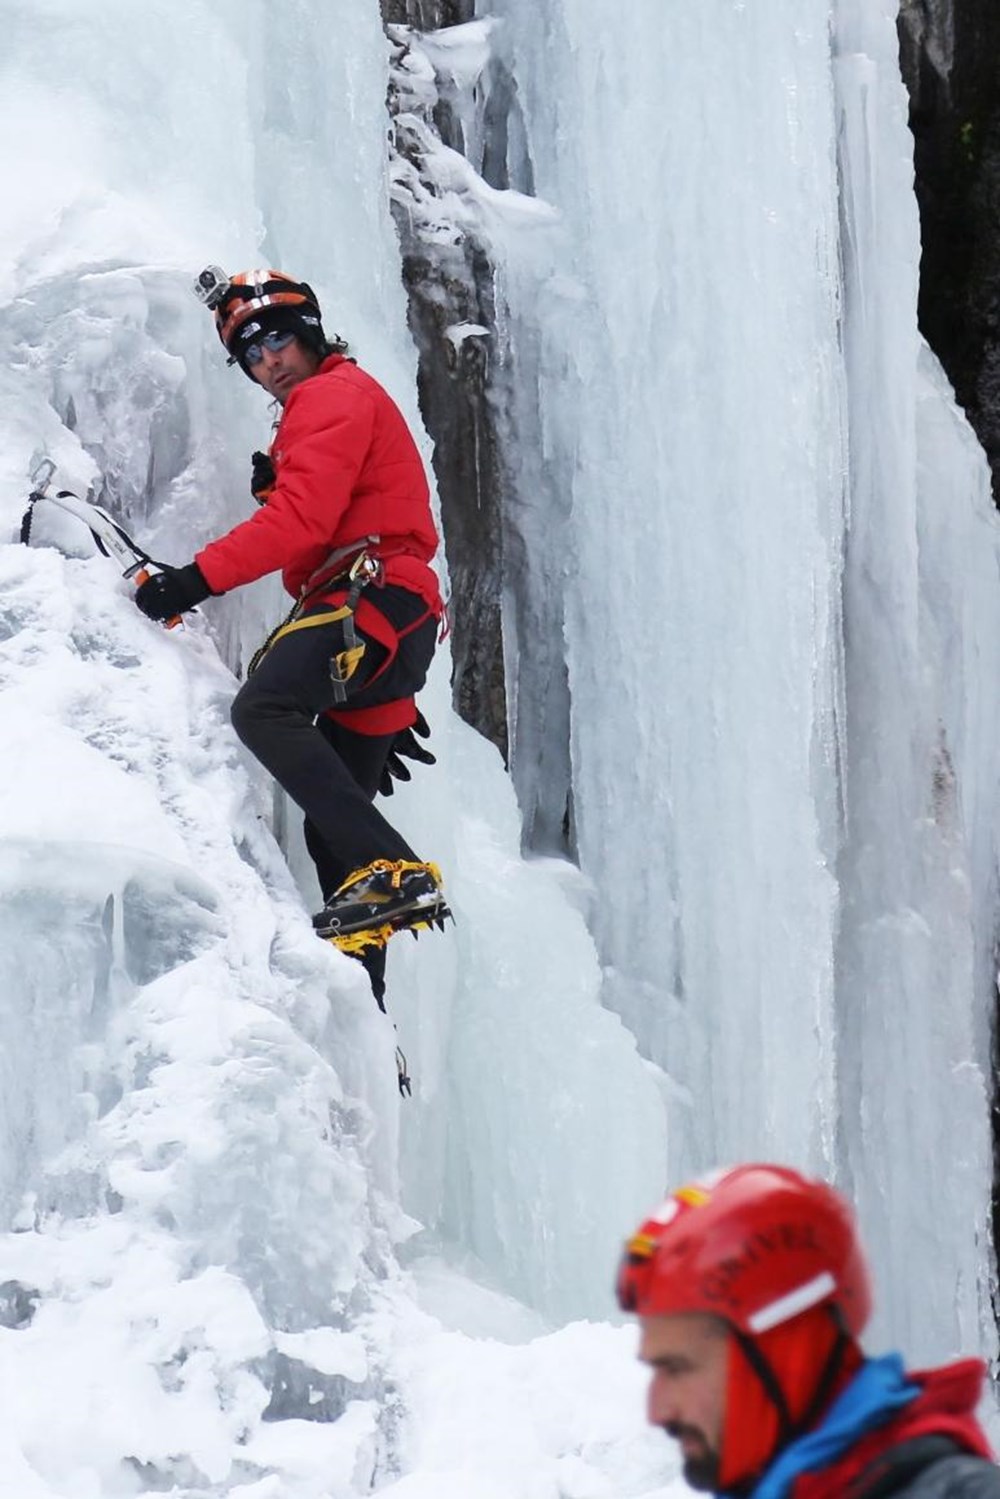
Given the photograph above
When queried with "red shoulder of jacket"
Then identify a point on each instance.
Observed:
(338, 380)
(946, 1406)
(346, 375)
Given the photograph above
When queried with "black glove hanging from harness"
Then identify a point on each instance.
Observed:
(405, 745)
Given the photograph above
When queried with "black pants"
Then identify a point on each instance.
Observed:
(329, 771)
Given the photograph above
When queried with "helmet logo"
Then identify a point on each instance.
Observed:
(720, 1284)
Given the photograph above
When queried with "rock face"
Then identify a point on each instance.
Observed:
(471, 229)
(449, 278)
(950, 53)
(427, 15)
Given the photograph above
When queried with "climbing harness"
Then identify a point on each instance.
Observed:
(364, 569)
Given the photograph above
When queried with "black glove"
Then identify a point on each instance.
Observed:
(406, 745)
(171, 591)
(262, 477)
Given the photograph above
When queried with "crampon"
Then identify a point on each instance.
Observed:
(383, 898)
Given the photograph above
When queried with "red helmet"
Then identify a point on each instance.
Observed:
(755, 1245)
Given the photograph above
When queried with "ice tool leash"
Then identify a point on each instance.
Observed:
(110, 538)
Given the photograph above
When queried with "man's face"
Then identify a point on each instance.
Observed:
(280, 370)
(689, 1358)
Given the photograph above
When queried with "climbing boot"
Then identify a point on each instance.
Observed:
(379, 900)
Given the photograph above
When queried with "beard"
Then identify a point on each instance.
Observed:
(701, 1462)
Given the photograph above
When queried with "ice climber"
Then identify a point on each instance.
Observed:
(752, 1290)
(328, 702)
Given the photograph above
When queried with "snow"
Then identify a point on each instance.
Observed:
(200, 1119)
(457, 333)
(232, 1262)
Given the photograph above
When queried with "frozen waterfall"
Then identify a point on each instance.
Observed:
(779, 608)
(751, 629)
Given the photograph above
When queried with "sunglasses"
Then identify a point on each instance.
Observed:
(278, 339)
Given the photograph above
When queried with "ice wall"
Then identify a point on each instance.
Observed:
(778, 568)
(693, 405)
(916, 960)
(197, 1141)
(207, 1181)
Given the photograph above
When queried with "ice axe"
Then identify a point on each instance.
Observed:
(111, 539)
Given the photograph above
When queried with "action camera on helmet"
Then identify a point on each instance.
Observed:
(211, 286)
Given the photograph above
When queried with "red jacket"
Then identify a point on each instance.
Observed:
(945, 1407)
(346, 468)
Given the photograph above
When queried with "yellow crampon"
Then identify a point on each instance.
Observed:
(359, 942)
(378, 933)
(373, 936)
(397, 868)
(377, 936)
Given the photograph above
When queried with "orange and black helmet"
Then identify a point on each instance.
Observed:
(256, 302)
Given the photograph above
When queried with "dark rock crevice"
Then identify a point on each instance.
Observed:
(950, 55)
(427, 15)
(451, 283)
(459, 142)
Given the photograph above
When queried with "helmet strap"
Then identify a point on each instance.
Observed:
(789, 1429)
(769, 1380)
(828, 1378)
